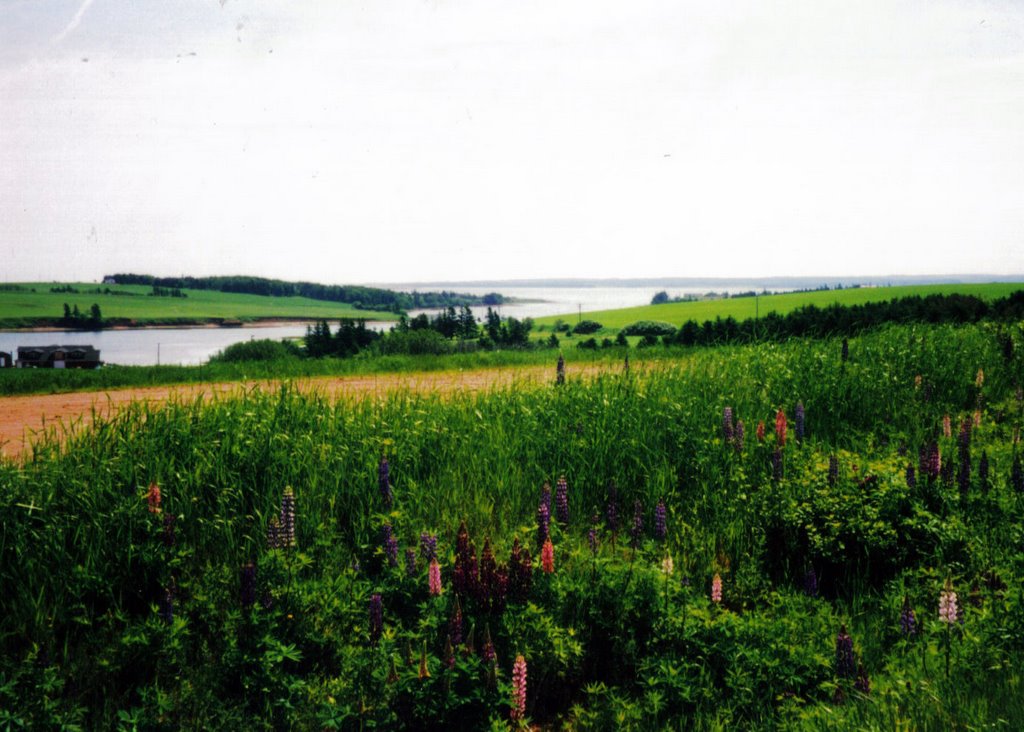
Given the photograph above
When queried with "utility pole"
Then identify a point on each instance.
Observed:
(157, 354)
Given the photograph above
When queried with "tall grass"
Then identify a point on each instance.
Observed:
(84, 569)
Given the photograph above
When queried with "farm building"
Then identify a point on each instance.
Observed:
(58, 357)
(5, 360)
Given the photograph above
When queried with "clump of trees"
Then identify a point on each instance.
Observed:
(586, 327)
(448, 331)
(649, 328)
(74, 318)
(352, 337)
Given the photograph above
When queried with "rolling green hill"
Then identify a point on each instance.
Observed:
(33, 304)
(742, 308)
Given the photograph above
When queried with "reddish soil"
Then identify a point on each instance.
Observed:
(22, 417)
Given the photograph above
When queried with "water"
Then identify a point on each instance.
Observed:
(142, 347)
(193, 346)
(571, 301)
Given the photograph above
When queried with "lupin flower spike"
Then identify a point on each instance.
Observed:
(434, 578)
(780, 428)
(287, 537)
(660, 520)
(948, 606)
(547, 556)
(519, 688)
(153, 498)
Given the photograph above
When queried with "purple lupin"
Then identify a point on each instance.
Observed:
(562, 501)
(410, 562)
(777, 464)
(389, 544)
(799, 421)
(660, 520)
(908, 620)
(727, 427)
(737, 438)
(428, 546)
(544, 517)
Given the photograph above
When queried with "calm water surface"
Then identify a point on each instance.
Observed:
(143, 347)
(192, 346)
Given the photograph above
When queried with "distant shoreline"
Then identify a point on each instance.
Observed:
(198, 324)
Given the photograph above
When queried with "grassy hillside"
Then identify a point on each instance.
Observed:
(747, 307)
(33, 303)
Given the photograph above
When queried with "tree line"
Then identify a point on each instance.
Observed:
(360, 297)
(448, 331)
(812, 321)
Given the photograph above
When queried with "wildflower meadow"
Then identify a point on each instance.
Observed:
(815, 534)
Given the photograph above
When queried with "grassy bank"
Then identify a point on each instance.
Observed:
(34, 305)
(743, 308)
(193, 609)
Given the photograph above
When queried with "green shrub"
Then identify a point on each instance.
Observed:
(586, 327)
(255, 350)
(649, 327)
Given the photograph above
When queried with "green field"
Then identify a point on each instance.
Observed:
(24, 308)
(742, 308)
(282, 580)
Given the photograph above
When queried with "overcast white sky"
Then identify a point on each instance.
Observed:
(399, 140)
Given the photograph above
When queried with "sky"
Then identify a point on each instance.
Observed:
(419, 140)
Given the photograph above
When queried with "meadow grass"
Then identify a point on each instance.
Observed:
(53, 381)
(744, 308)
(612, 642)
(25, 307)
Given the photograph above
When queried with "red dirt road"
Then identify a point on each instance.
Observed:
(22, 417)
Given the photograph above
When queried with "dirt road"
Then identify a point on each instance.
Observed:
(22, 417)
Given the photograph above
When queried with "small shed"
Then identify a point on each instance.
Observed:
(6, 361)
(58, 357)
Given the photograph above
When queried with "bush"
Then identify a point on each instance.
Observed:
(415, 343)
(261, 350)
(586, 327)
(588, 345)
(649, 327)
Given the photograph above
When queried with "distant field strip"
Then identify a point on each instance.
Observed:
(743, 308)
(22, 307)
